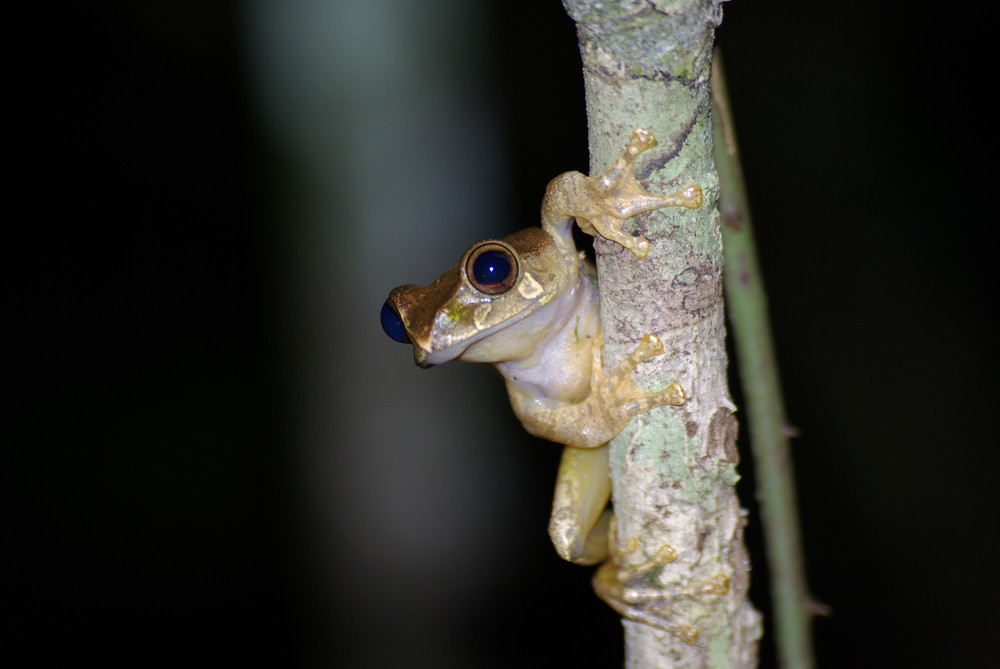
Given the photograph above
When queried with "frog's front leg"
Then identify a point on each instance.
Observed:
(602, 203)
(628, 400)
(579, 521)
(613, 400)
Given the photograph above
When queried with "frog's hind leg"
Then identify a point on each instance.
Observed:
(580, 514)
(631, 588)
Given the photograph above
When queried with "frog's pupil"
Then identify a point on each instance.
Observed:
(491, 268)
(392, 324)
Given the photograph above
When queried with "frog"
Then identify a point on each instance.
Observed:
(529, 305)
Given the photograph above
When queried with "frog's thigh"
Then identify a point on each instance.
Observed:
(579, 522)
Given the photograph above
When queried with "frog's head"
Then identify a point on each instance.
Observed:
(495, 286)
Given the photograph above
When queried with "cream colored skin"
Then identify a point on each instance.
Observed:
(543, 334)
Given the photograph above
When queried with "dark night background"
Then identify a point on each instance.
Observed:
(158, 513)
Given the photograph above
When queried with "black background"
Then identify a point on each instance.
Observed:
(151, 485)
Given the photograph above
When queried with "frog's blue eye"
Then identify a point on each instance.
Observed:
(392, 324)
(492, 268)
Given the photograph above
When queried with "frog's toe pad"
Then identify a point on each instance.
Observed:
(650, 347)
(673, 394)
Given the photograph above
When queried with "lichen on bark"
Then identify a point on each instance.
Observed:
(648, 64)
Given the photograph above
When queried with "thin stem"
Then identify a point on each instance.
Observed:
(746, 303)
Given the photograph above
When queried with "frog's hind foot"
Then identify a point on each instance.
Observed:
(631, 591)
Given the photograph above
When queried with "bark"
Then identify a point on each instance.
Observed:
(648, 64)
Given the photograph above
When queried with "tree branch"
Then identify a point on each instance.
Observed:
(747, 307)
(648, 64)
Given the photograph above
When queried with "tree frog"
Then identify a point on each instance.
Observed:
(528, 304)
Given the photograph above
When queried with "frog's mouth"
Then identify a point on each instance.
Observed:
(448, 345)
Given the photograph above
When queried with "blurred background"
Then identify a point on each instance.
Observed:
(217, 457)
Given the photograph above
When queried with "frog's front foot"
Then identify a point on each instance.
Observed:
(617, 195)
(630, 400)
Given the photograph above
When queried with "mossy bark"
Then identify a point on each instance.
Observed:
(648, 64)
